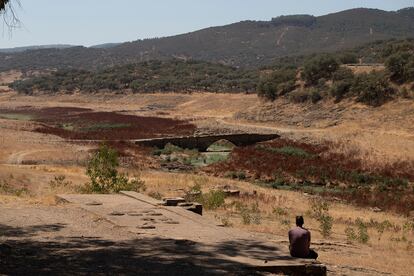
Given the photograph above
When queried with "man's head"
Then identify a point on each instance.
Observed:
(299, 221)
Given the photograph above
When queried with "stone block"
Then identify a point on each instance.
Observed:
(195, 208)
(173, 201)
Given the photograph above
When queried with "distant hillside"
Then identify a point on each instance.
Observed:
(30, 48)
(247, 43)
(105, 45)
(311, 79)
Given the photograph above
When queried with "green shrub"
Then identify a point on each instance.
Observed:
(340, 89)
(325, 225)
(343, 73)
(315, 95)
(167, 150)
(286, 150)
(213, 200)
(350, 233)
(299, 96)
(363, 236)
(236, 175)
(348, 58)
(194, 194)
(246, 216)
(256, 217)
(225, 220)
(401, 66)
(320, 212)
(102, 169)
(277, 84)
(293, 151)
(59, 181)
(251, 215)
(7, 189)
(318, 67)
(280, 212)
(372, 89)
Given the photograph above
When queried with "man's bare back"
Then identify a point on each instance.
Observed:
(300, 239)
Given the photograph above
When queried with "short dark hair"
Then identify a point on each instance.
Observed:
(299, 220)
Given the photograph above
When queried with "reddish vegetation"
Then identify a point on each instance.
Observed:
(82, 124)
(317, 168)
(133, 156)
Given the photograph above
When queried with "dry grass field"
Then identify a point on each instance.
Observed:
(362, 241)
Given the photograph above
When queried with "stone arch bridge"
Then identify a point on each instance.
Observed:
(203, 142)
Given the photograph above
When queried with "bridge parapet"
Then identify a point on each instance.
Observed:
(203, 142)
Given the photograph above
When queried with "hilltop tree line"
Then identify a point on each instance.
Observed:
(325, 76)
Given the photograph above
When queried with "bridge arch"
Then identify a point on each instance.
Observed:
(202, 143)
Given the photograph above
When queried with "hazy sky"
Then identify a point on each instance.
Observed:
(90, 22)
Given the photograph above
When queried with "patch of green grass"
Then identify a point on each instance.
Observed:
(236, 175)
(216, 158)
(287, 150)
(68, 126)
(191, 157)
(15, 116)
(168, 149)
(7, 189)
(104, 126)
(221, 146)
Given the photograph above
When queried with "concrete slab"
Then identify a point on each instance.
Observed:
(145, 217)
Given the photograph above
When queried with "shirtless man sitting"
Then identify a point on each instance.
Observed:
(300, 239)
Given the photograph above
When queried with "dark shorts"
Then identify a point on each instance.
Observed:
(312, 255)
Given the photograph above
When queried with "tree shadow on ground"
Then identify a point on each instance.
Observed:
(10, 231)
(22, 253)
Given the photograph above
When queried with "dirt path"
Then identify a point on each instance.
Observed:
(17, 158)
(250, 125)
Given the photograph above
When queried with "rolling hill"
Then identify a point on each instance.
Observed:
(246, 44)
(37, 47)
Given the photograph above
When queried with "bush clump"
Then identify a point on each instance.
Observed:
(318, 67)
(277, 84)
(213, 200)
(299, 96)
(102, 169)
(401, 66)
(251, 215)
(320, 212)
(372, 89)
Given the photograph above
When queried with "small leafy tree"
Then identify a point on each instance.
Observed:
(318, 67)
(373, 89)
(102, 170)
(401, 66)
(277, 84)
